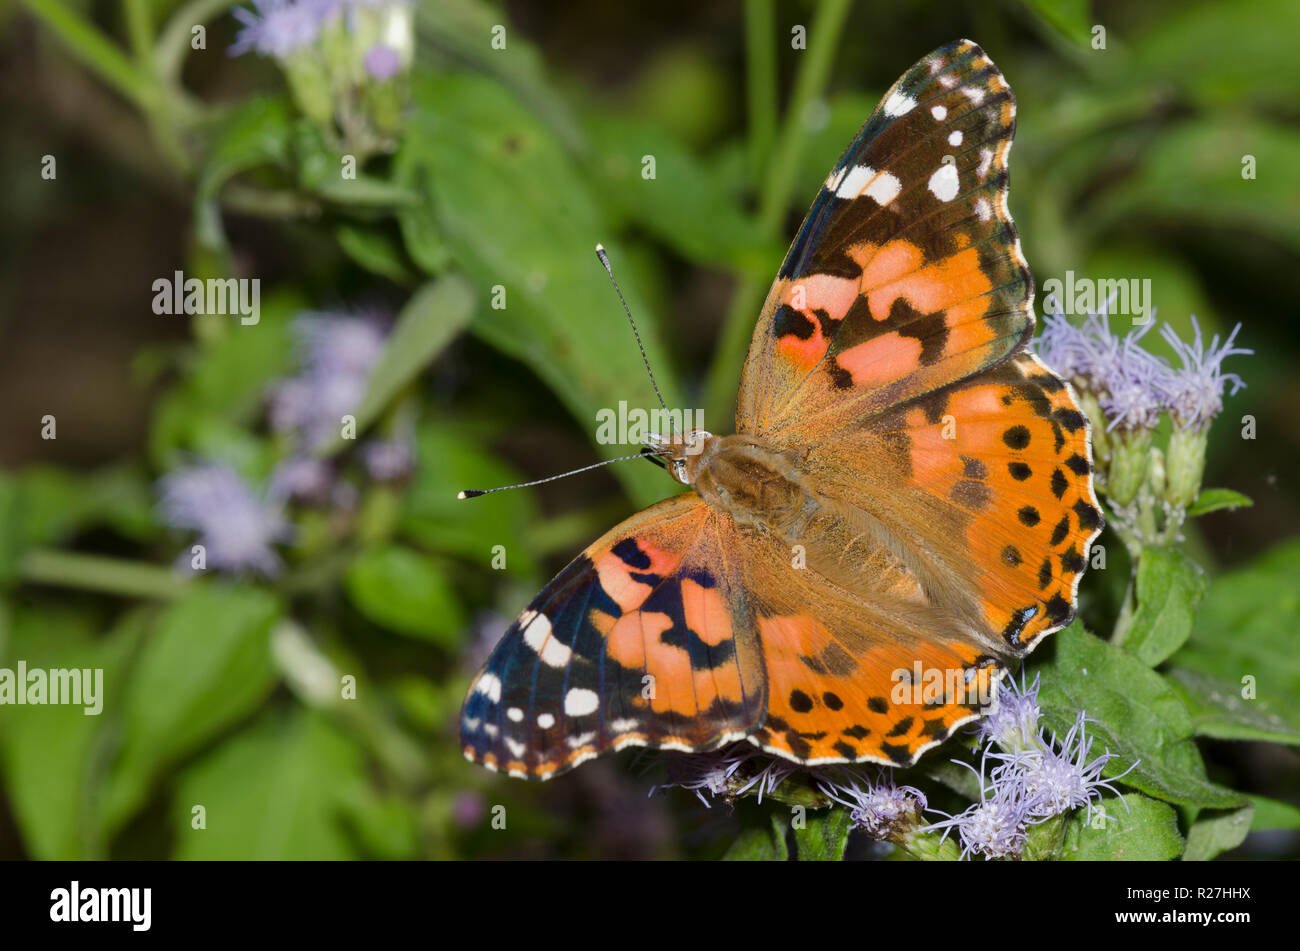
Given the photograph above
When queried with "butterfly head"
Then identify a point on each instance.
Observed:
(680, 455)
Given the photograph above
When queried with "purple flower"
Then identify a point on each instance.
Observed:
(881, 809)
(236, 528)
(1059, 776)
(1131, 384)
(338, 353)
(995, 826)
(280, 28)
(1196, 390)
(468, 809)
(302, 477)
(1013, 724)
(387, 460)
(382, 62)
(706, 772)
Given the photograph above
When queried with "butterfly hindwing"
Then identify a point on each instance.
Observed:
(636, 643)
(907, 274)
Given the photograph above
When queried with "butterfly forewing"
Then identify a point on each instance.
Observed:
(907, 274)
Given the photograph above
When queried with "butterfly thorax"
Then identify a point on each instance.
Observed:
(760, 487)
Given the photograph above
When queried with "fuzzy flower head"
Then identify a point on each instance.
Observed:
(280, 28)
(1062, 777)
(338, 353)
(995, 825)
(1131, 384)
(236, 528)
(1013, 724)
(881, 809)
(713, 773)
(1196, 390)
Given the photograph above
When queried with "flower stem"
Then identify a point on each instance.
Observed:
(760, 80)
(128, 579)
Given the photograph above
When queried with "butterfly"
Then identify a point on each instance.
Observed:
(906, 503)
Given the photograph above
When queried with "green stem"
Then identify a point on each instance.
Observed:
(1125, 620)
(128, 579)
(139, 28)
(96, 51)
(774, 197)
(760, 80)
(174, 40)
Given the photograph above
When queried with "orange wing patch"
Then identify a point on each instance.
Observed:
(1010, 451)
(887, 703)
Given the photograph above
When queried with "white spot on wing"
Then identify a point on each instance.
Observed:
(955, 138)
(581, 702)
(582, 739)
(852, 184)
(986, 159)
(943, 183)
(884, 188)
(899, 105)
(939, 112)
(515, 714)
(983, 210)
(624, 725)
(545, 721)
(489, 685)
(537, 635)
(516, 748)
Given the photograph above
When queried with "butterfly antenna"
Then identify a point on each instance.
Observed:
(604, 259)
(475, 493)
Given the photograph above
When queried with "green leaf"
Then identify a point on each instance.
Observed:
(1146, 830)
(1247, 625)
(406, 592)
(1271, 814)
(448, 461)
(1247, 53)
(1191, 175)
(376, 250)
(1219, 710)
(1071, 18)
(1217, 830)
(760, 843)
(1137, 715)
(1211, 500)
(52, 756)
(1169, 588)
(825, 835)
(278, 790)
(207, 666)
(684, 205)
(224, 386)
(430, 320)
(517, 214)
(258, 132)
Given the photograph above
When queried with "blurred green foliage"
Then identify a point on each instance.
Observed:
(225, 693)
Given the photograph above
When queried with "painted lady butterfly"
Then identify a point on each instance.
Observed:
(908, 491)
